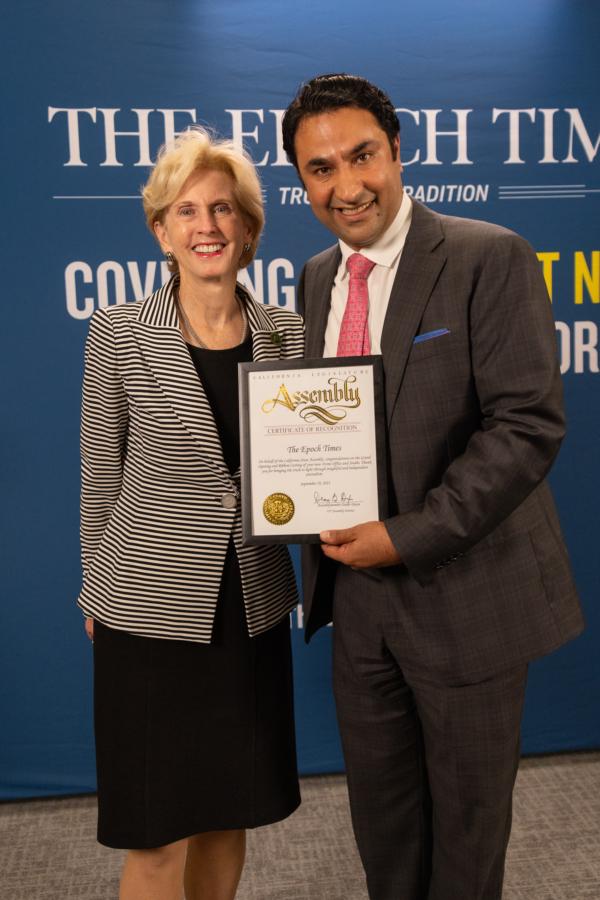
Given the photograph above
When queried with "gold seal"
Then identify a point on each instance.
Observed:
(278, 509)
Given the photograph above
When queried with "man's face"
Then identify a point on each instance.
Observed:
(351, 178)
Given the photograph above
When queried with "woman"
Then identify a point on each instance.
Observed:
(193, 701)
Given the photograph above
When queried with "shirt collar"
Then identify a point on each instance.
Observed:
(387, 249)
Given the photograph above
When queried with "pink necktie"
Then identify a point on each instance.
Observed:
(354, 331)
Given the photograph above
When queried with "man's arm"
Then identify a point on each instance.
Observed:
(516, 377)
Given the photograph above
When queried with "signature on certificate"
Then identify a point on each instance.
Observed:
(334, 499)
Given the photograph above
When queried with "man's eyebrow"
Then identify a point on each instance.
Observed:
(317, 161)
(362, 146)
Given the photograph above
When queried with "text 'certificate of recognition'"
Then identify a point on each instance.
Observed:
(312, 448)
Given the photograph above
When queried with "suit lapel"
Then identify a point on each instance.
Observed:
(318, 301)
(168, 358)
(419, 268)
(420, 265)
(267, 341)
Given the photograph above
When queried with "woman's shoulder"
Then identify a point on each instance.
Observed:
(273, 316)
(157, 307)
(108, 319)
(116, 312)
(283, 317)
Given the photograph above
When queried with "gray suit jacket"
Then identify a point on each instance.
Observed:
(475, 421)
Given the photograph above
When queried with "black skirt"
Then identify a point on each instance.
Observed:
(194, 737)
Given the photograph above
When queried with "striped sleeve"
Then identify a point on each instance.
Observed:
(104, 423)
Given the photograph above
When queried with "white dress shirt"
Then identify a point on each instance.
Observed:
(385, 253)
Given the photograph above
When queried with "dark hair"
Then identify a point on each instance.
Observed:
(329, 92)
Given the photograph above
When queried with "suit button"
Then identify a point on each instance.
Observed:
(275, 337)
(229, 500)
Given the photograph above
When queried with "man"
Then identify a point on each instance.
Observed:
(438, 609)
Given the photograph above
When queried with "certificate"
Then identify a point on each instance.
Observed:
(312, 437)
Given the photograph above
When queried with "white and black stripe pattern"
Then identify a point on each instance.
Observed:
(154, 531)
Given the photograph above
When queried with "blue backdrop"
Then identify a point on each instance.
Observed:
(499, 116)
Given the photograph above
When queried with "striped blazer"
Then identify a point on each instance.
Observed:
(156, 495)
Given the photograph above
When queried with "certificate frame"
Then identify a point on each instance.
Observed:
(379, 430)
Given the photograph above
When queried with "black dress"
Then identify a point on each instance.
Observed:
(196, 737)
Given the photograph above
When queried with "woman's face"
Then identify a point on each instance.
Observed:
(204, 229)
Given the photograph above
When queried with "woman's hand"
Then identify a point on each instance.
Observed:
(89, 628)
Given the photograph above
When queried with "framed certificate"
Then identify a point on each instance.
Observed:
(312, 447)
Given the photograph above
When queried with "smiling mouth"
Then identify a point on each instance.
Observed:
(208, 249)
(350, 211)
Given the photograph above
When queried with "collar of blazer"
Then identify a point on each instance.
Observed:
(167, 357)
(159, 309)
(422, 260)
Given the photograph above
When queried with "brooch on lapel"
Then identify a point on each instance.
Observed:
(275, 338)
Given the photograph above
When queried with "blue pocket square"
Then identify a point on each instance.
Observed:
(428, 335)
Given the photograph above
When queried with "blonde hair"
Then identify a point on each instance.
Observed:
(197, 150)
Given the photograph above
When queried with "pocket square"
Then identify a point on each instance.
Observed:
(428, 335)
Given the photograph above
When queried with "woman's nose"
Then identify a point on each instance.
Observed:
(205, 221)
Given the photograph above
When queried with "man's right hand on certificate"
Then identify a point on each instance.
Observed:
(364, 546)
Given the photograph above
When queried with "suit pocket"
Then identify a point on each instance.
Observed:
(430, 335)
(553, 562)
(441, 346)
(494, 602)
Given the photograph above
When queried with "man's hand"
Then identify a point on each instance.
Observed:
(365, 546)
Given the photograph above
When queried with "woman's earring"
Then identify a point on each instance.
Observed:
(247, 248)
(169, 257)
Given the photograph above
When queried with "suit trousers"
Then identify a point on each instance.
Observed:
(431, 766)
